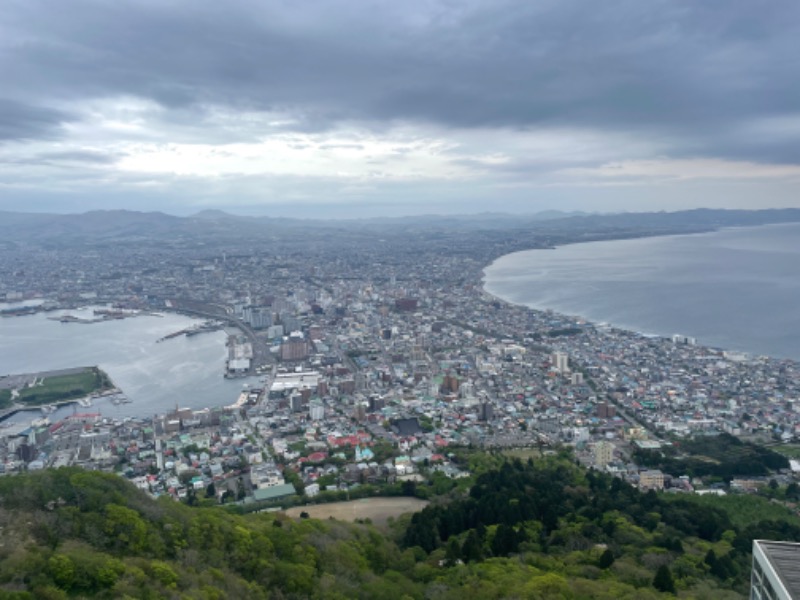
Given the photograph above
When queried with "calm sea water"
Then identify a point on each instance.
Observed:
(155, 376)
(737, 289)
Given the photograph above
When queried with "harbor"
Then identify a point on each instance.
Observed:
(151, 375)
(205, 327)
(101, 315)
(47, 410)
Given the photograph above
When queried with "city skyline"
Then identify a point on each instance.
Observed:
(341, 110)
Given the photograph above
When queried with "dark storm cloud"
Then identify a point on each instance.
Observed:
(682, 71)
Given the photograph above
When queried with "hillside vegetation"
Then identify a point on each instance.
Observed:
(543, 529)
(723, 456)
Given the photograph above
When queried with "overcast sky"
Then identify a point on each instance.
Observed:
(362, 108)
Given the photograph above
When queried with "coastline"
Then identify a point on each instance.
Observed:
(611, 324)
(150, 375)
(106, 388)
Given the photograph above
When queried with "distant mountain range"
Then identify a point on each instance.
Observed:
(125, 225)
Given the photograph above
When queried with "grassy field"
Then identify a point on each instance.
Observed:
(790, 450)
(60, 388)
(743, 509)
(378, 510)
(523, 453)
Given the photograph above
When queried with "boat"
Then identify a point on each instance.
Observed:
(120, 399)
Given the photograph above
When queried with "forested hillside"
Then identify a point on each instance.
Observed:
(543, 529)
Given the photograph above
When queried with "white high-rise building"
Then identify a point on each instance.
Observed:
(317, 411)
(560, 361)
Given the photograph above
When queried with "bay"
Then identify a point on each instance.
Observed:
(187, 371)
(737, 289)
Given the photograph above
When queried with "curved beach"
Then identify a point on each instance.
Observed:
(734, 289)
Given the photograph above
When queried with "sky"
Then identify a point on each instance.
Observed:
(355, 108)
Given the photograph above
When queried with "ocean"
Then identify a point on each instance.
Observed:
(737, 289)
(155, 376)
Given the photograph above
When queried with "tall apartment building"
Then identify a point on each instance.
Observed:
(294, 349)
(603, 453)
(651, 480)
(560, 361)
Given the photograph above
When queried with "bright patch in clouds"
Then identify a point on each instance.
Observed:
(666, 170)
(302, 155)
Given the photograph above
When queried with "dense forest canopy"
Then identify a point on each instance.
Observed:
(536, 529)
(723, 456)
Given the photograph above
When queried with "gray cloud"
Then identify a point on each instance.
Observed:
(21, 121)
(66, 158)
(672, 65)
(694, 77)
(80, 156)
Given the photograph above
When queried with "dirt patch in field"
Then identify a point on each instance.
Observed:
(378, 510)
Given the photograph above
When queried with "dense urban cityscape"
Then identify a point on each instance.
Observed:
(377, 356)
(422, 300)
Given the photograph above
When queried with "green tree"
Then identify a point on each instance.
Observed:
(793, 491)
(452, 551)
(606, 559)
(549, 585)
(163, 573)
(663, 581)
(126, 528)
(61, 568)
(504, 541)
(711, 558)
(471, 551)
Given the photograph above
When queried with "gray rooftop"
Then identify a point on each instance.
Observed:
(785, 559)
(274, 492)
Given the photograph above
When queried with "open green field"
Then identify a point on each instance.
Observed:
(743, 509)
(59, 388)
(723, 456)
(790, 450)
(523, 453)
(377, 510)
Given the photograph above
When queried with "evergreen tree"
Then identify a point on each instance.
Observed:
(663, 581)
(471, 551)
(793, 491)
(606, 559)
(505, 540)
(676, 545)
(453, 551)
(711, 558)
